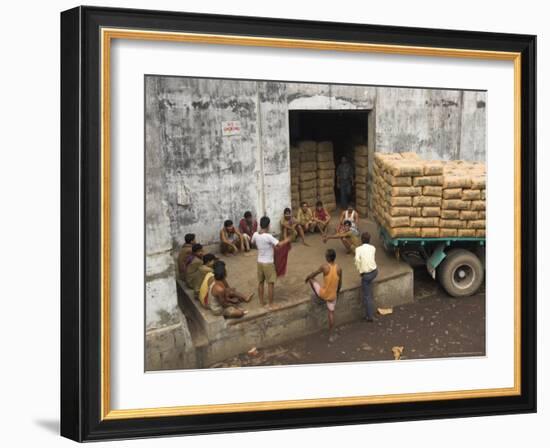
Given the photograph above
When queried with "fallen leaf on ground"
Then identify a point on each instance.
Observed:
(397, 351)
(385, 311)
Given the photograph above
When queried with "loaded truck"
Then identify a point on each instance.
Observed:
(458, 263)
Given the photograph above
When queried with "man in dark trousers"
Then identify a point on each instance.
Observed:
(366, 265)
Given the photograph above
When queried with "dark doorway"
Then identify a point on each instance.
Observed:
(344, 128)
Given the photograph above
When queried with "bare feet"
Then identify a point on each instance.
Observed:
(249, 298)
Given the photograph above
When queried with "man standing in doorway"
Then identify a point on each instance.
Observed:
(344, 181)
(366, 265)
(265, 242)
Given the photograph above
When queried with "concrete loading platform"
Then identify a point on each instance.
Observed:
(295, 314)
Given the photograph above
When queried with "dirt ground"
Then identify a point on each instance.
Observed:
(434, 326)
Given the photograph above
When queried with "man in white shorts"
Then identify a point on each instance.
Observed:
(265, 242)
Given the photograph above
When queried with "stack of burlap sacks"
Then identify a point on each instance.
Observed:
(428, 198)
(361, 180)
(325, 176)
(312, 174)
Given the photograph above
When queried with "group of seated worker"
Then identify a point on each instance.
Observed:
(305, 221)
(206, 276)
(233, 240)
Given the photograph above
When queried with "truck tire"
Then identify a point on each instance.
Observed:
(461, 273)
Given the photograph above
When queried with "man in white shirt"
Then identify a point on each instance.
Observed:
(265, 242)
(366, 265)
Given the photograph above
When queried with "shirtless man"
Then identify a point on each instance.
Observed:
(348, 236)
(222, 299)
(291, 228)
(332, 284)
(305, 218)
(231, 241)
(247, 226)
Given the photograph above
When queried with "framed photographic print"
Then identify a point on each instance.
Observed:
(272, 224)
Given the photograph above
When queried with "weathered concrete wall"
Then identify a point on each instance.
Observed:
(208, 177)
(165, 324)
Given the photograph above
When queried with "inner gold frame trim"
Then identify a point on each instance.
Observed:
(107, 35)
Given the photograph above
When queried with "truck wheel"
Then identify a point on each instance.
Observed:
(461, 273)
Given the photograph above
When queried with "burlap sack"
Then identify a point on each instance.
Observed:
(295, 197)
(467, 215)
(361, 161)
(306, 167)
(361, 202)
(433, 168)
(457, 181)
(448, 233)
(363, 211)
(400, 201)
(427, 180)
(295, 190)
(425, 222)
(429, 232)
(361, 150)
(404, 232)
(308, 176)
(477, 224)
(328, 165)
(308, 184)
(325, 174)
(452, 193)
(452, 224)
(410, 155)
(478, 182)
(430, 190)
(483, 195)
(309, 199)
(406, 191)
(467, 233)
(309, 193)
(456, 204)
(401, 211)
(481, 214)
(450, 214)
(325, 146)
(397, 221)
(361, 194)
(471, 195)
(325, 183)
(407, 168)
(480, 233)
(308, 157)
(405, 181)
(361, 171)
(478, 205)
(426, 201)
(380, 157)
(431, 211)
(325, 191)
(325, 157)
(416, 212)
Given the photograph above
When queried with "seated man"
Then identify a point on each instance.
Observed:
(321, 217)
(205, 271)
(185, 251)
(348, 236)
(291, 228)
(305, 218)
(247, 226)
(222, 299)
(231, 241)
(192, 273)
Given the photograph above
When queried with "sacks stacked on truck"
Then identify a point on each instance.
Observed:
(308, 171)
(294, 177)
(325, 175)
(463, 205)
(361, 180)
(428, 199)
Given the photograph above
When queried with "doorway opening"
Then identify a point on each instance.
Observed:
(337, 134)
